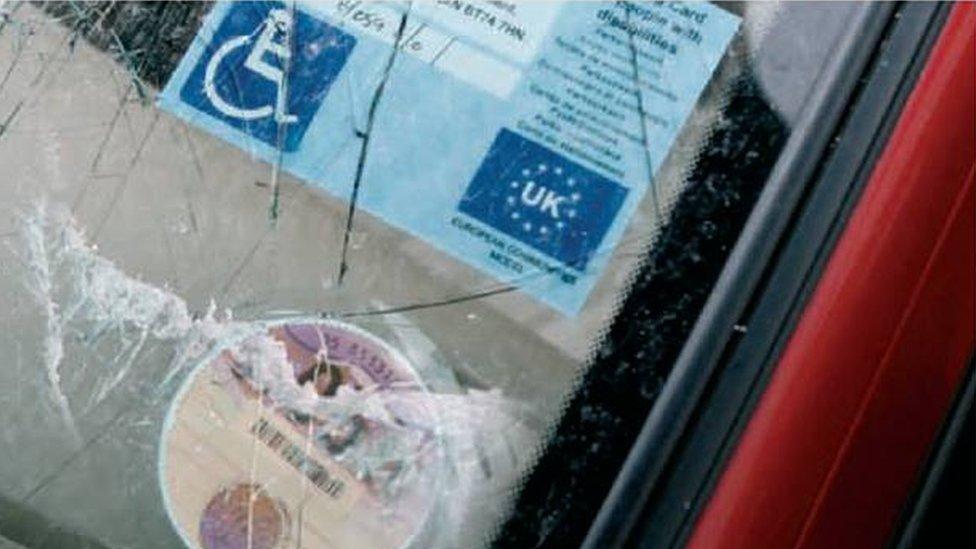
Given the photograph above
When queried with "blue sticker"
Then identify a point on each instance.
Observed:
(240, 78)
(515, 141)
(543, 199)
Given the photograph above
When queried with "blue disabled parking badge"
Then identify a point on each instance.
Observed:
(519, 138)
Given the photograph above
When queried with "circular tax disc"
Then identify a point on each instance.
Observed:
(310, 434)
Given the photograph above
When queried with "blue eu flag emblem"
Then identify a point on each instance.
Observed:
(543, 199)
(267, 68)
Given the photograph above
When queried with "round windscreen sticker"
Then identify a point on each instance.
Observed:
(311, 434)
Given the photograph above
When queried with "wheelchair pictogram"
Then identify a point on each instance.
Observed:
(274, 38)
(266, 66)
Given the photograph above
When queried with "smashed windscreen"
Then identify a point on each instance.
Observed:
(326, 274)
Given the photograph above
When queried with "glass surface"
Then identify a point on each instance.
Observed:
(336, 284)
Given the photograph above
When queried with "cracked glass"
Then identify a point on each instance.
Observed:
(339, 274)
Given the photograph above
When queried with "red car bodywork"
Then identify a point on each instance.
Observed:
(836, 442)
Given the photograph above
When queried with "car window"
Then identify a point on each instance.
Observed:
(351, 274)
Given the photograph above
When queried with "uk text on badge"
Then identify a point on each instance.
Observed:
(241, 78)
(543, 200)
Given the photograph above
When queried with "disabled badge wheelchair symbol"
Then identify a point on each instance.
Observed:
(267, 70)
